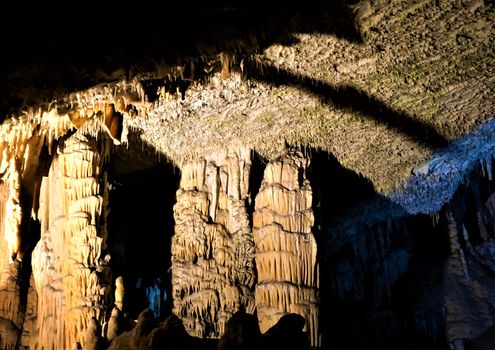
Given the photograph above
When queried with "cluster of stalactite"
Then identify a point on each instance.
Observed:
(56, 291)
(212, 249)
(285, 245)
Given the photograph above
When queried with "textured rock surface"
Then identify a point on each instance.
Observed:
(285, 245)
(422, 74)
(70, 268)
(213, 272)
(19, 182)
(11, 312)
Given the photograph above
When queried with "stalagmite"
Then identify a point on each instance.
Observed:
(116, 324)
(70, 269)
(212, 249)
(285, 245)
(119, 292)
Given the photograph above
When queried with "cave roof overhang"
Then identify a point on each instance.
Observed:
(389, 88)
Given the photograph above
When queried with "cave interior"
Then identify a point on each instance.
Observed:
(187, 175)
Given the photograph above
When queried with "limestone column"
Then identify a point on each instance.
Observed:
(285, 245)
(212, 248)
(20, 148)
(11, 312)
(70, 268)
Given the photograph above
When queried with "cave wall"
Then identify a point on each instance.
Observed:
(469, 277)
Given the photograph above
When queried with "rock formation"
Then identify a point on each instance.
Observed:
(11, 311)
(213, 272)
(21, 142)
(399, 92)
(70, 268)
(285, 245)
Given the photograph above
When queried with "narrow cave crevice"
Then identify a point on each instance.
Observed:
(258, 165)
(141, 225)
(30, 226)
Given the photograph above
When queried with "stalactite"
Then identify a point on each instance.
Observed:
(212, 249)
(285, 245)
(70, 269)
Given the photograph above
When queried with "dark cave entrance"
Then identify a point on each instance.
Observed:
(141, 225)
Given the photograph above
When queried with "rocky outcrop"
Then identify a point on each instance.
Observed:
(213, 272)
(285, 245)
(70, 267)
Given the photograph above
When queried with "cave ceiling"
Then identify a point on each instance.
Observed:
(381, 85)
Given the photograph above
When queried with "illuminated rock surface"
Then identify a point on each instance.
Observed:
(285, 246)
(213, 272)
(70, 267)
(376, 229)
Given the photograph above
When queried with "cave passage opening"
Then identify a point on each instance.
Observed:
(141, 225)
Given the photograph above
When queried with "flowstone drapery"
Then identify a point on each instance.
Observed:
(285, 245)
(213, 272)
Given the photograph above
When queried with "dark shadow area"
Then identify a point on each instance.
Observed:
(30, 228)
(350, 98)
(241, 333)
(54, 48)
(393, 281)
(258, 165)
(141, 225)
(336, 190)
(473, 231)
(380, 270)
